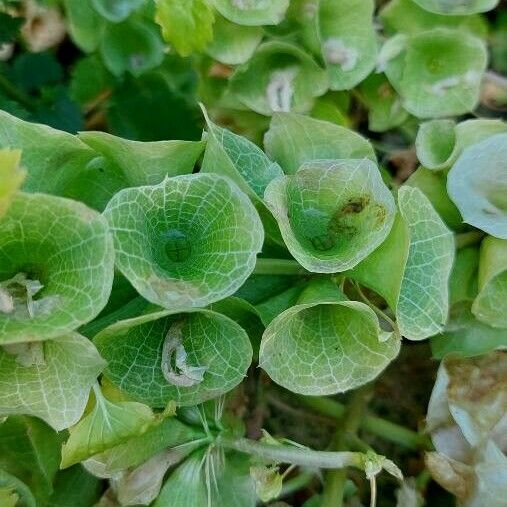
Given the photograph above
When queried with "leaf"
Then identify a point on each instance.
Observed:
(209, 339)
(452, 8)
(433, 185)
(75, 487)
(437, 72)
(233, 44)
(11, 177)
(145, 163)
(85, 24)
(439, 143)
(411, 268)
(187, 242)
(116, 10)
(490, 305)
(268, 482)
(89, 79)
(131, 46)
(30, 450)
(57, 390)
(406, 16)
(58, 163)
(477, 182)
(188, 26)
(279, 77)
(348, 41)
(65, 251)
(318, 349)
(385, 110)
(465, 336)
(237, 158)
(463, 281)
(252, 12)
(168, 433)
(107, 425)
(332, 213)
(294, 139)
(12, 487)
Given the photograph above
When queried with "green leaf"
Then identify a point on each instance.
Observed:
(89, 79)
(85, 24)
(463, 281)
(107, 425)
(294, 139)
(385, 110)
(239, 159)
(279, 77)
(11, 177)
(490, 305)
(167, 434)
(131, 46)
(12, 487)
(212, 354)
(439, 143)
(30, 450)
(56, 389)
(433, 185)
(452, 8)
(348, 41)
(276, 304)
(252, 12)
(326, 348)
(59, 163)
(116, 10)
(405, 16)
(75, 487)
(437, 72)
(477, 184)
(332, 213)
(411, 268)
(56, 271)
(233, 44)
(188, 26)
(145, 163)
(186, 242)
(465, 336)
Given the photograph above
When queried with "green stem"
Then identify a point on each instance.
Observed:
(297, 483)
(468, 238)
(15, 93)
(332, 495)
(294, 455)
(278, 267)
(372, 424)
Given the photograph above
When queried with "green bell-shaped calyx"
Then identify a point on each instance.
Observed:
(56, 267)
(332, 213)
(186, 242)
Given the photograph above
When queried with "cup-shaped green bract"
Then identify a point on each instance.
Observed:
(188, 357)
(440, 142)
(332, 213)
(437, 72)
(279, 77)
(326, 348)
(348, 41)
(477, 184)
(454, 8)
(186, 242)
(252, 13)
(56, 267)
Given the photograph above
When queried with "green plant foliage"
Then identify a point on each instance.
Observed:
(437, 72)
(243, 243)
(477, 182)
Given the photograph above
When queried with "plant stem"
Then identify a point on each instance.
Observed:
(332, 495)
(15, 93)
(278, 267)
(294, 455)
(299, 482)
(468, 238)
(372, 424)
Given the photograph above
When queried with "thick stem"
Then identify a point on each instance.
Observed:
(334, 484)
(372, 424)
(294, 455)
(278, 267)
